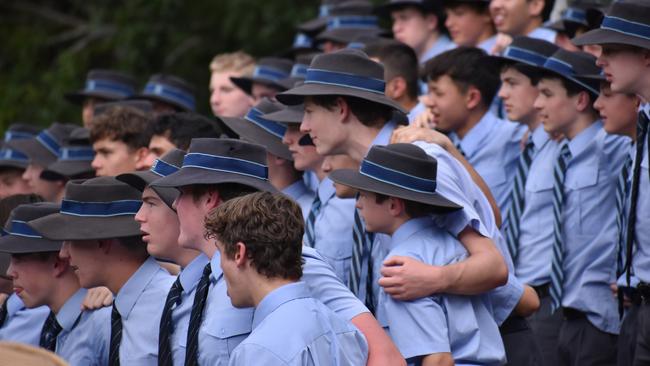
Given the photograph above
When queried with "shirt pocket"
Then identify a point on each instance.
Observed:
(337, 256)
(539, 198)
(229, 327)
(586, 193)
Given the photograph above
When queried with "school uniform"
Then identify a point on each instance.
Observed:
(292, 328)
(543, 33)
(85, 335)
(488, 44)
(140, 303)
(22, 324)
(460, 325)
(300, 193)
(442, 44)
(492, 146)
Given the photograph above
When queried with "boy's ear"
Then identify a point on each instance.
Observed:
(584, 101)
(240, 255)
(431, 21)
(141, 161)
(396, 206)
(473, 97)
(535, 7)
(342, 108)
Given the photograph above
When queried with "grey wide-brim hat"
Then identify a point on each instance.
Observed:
(571, 66)
(256, 129)
(626, 23)
(398, 170)
(106, 85)
(531, 52)
(97, 208)
(44, 149)
(20, 237)
(10, 158)
(171, 90)
(268, 71)
(288, 114)
(167, 164)
(346, 72)
(212, 161)
(74, 160)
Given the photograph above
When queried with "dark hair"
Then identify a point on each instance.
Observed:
(39, 256)
(465, 67)
(7, 204)
(572, 88)
(412, 208)
(125, 124)
(369, 113)
(430, 7)
(478, 6)
(271, 227)
(227, 191)
(399, 60)
(134, 244)
(532, 73)
(548, 9)
(181, 128)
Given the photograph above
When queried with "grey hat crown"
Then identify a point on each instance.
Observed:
(573, 65)
(404, 159)
(169, 163)
(17, 223)
(351, 62)
(170, 89)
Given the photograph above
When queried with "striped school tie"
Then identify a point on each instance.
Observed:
(557, 274)
(196, 317)
(622, 190)
(49, 332)
(3, 313)
(310, 229)
(517, 199)
(642, 134)
(165, 330)
(116, 337)
(361, 251)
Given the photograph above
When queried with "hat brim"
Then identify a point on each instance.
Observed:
(36, 152)
(297, 95)
(158, 98)
(13, 164)
(386, 9)
(246, 84)
(67, 170)
(496, 63)
(14, 244)
(605, 36)
(346, 35)
(251, 133)
(313, 26)
(68, 227)
(78, 97)
(188, 176)
(354, 179)
(286, 115)
(142, 179)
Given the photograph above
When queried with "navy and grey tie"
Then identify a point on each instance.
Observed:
(49, 332)
(517, 199)
(165, 330)
(557, 271)
(116, 337)
(196, 317)
(622, 190)
(361, 251)
(310, 225)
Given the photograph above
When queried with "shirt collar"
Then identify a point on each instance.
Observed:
(295, 190)
(215, 264)
(540, 137)
(326, 190)
(478, 134)
(277, 297)
(488, 44)
(542, 33)
(383, 137)
(69, 312)
(579, 143)
(14, 304)
(190, 275)
(409, 228)
(133, 288)
(443, 43)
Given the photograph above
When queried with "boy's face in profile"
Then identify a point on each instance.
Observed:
(31, 278)
(557, 110)
(375, 215)
(447, 103)
(518, 94)
(625, 67)
(467, 25)
(617, 111)
(12, 182)
(335, 162)
(159, 226)
(114, 157)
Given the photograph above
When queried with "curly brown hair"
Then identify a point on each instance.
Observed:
(124, 124)
(271, 227)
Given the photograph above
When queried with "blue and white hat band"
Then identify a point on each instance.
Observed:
(524, 56)
(170, 93)
(226, 165)
(13, 155)
(299, 71)
(316, 76)
(397, 178)
(626, 27)
(354, 21)
(77, 153)
(567, 71)
(17, 135)
(163, 169)
(255, 116)
(575, 15)
(301, 40)
(269, 73)
(100, 209)
(20, 228)
(108, 86)
(45, 139)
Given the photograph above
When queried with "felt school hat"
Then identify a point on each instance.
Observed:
(328, 7)
(528, 51)
(397, 170)
(298, 70)
(11, 158)
(97, 208)
(288, 114)
(45, 147)
(346, 28)
(570, 19)
(216, 161)
(626, 23)
(256, 129)
(346, 72)
(20, 237)
(171, 90)
(141, 105)
(104, 84)
(427, 6)
(167, 164)
(268, 71)
(572, 65)
(74, 160)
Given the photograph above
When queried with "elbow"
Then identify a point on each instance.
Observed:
(500, 272)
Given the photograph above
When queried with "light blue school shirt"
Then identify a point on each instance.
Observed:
(189, 279)
(492, 146)
(292, 328)
(442, 44)
(415, 112)
(641, 259)
(85, 335)
(488, 44)
(23, 325)
(333, 229)
(589, 225)
(224, 327)
(461, 325)
(542, 33)
(533, 265)
(140, 303)
(301, 194)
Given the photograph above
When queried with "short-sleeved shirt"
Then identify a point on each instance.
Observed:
(300, 193)
(140, 303)
(22, 324)
(85, 335)
(461, 325)
(589, 225)
(292, 328)
(493, 147)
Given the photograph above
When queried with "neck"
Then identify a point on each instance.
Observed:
(320, 174)
(581, 123)
(532, 25)
(645, 95)
(263, 286)
(433, 38)
(473, 119)
(486, 34)
(121, 269)
(186, 256)
(397, 223)
(407, 102)
(63, 289)
(208, 248)
(283, 175)
(358, 146)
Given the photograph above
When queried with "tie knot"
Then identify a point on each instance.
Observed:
(641, 125)
(565, 152)
(177, 285)
(207, 270)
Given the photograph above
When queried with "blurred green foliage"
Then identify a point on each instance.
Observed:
(46, 47)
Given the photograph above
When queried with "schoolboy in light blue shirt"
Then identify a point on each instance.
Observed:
(259, 237)
(22, 324)
(397, 185)
(585, 236)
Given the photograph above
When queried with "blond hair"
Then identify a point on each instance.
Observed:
(238, 62)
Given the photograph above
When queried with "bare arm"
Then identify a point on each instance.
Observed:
(529, 302)
(411, 134)
(438, 359)
(381, 349)
(405, 278)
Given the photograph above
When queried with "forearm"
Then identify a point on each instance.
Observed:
(438, 359)
(381, 349)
